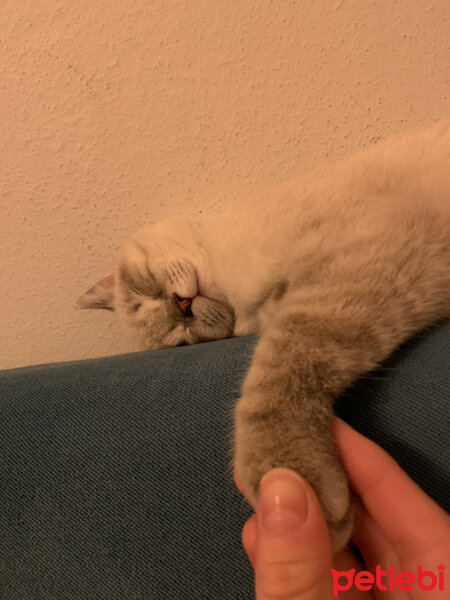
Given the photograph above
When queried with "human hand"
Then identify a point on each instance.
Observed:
(397, 527)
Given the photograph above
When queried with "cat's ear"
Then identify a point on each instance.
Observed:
(100, 295)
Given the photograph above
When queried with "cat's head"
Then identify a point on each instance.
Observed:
(161, 287)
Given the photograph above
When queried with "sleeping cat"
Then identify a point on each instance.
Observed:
(333, 270)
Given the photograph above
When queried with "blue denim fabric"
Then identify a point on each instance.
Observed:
(115, 480)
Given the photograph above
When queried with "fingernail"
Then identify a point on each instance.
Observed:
(283, 502)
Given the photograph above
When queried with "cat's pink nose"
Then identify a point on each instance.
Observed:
(184, 304)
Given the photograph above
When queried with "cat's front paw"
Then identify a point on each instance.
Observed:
(265, 440)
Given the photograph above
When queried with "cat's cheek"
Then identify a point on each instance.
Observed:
(200, 306)
(174, 338)
(214, 317)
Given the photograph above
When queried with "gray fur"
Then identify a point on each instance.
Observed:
(333, 271)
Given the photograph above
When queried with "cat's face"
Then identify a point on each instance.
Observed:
(160, 289)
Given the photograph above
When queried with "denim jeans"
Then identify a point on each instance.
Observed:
(115, 473)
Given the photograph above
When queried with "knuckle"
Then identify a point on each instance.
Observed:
(287, 580)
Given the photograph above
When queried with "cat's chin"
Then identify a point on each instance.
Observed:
(246, 326)
(202, 289)
(206, 288)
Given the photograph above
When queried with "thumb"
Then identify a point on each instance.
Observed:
(293, 551)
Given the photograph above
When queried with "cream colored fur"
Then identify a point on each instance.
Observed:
(333, 270)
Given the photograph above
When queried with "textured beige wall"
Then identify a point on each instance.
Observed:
(113, 114)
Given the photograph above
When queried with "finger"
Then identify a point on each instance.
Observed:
(371, 541)
(249, 539)
(293, 551)
(345, 561)
(386, 490)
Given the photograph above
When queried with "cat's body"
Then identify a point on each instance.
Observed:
(333, 270)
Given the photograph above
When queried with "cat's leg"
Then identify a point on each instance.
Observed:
(305, 358)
